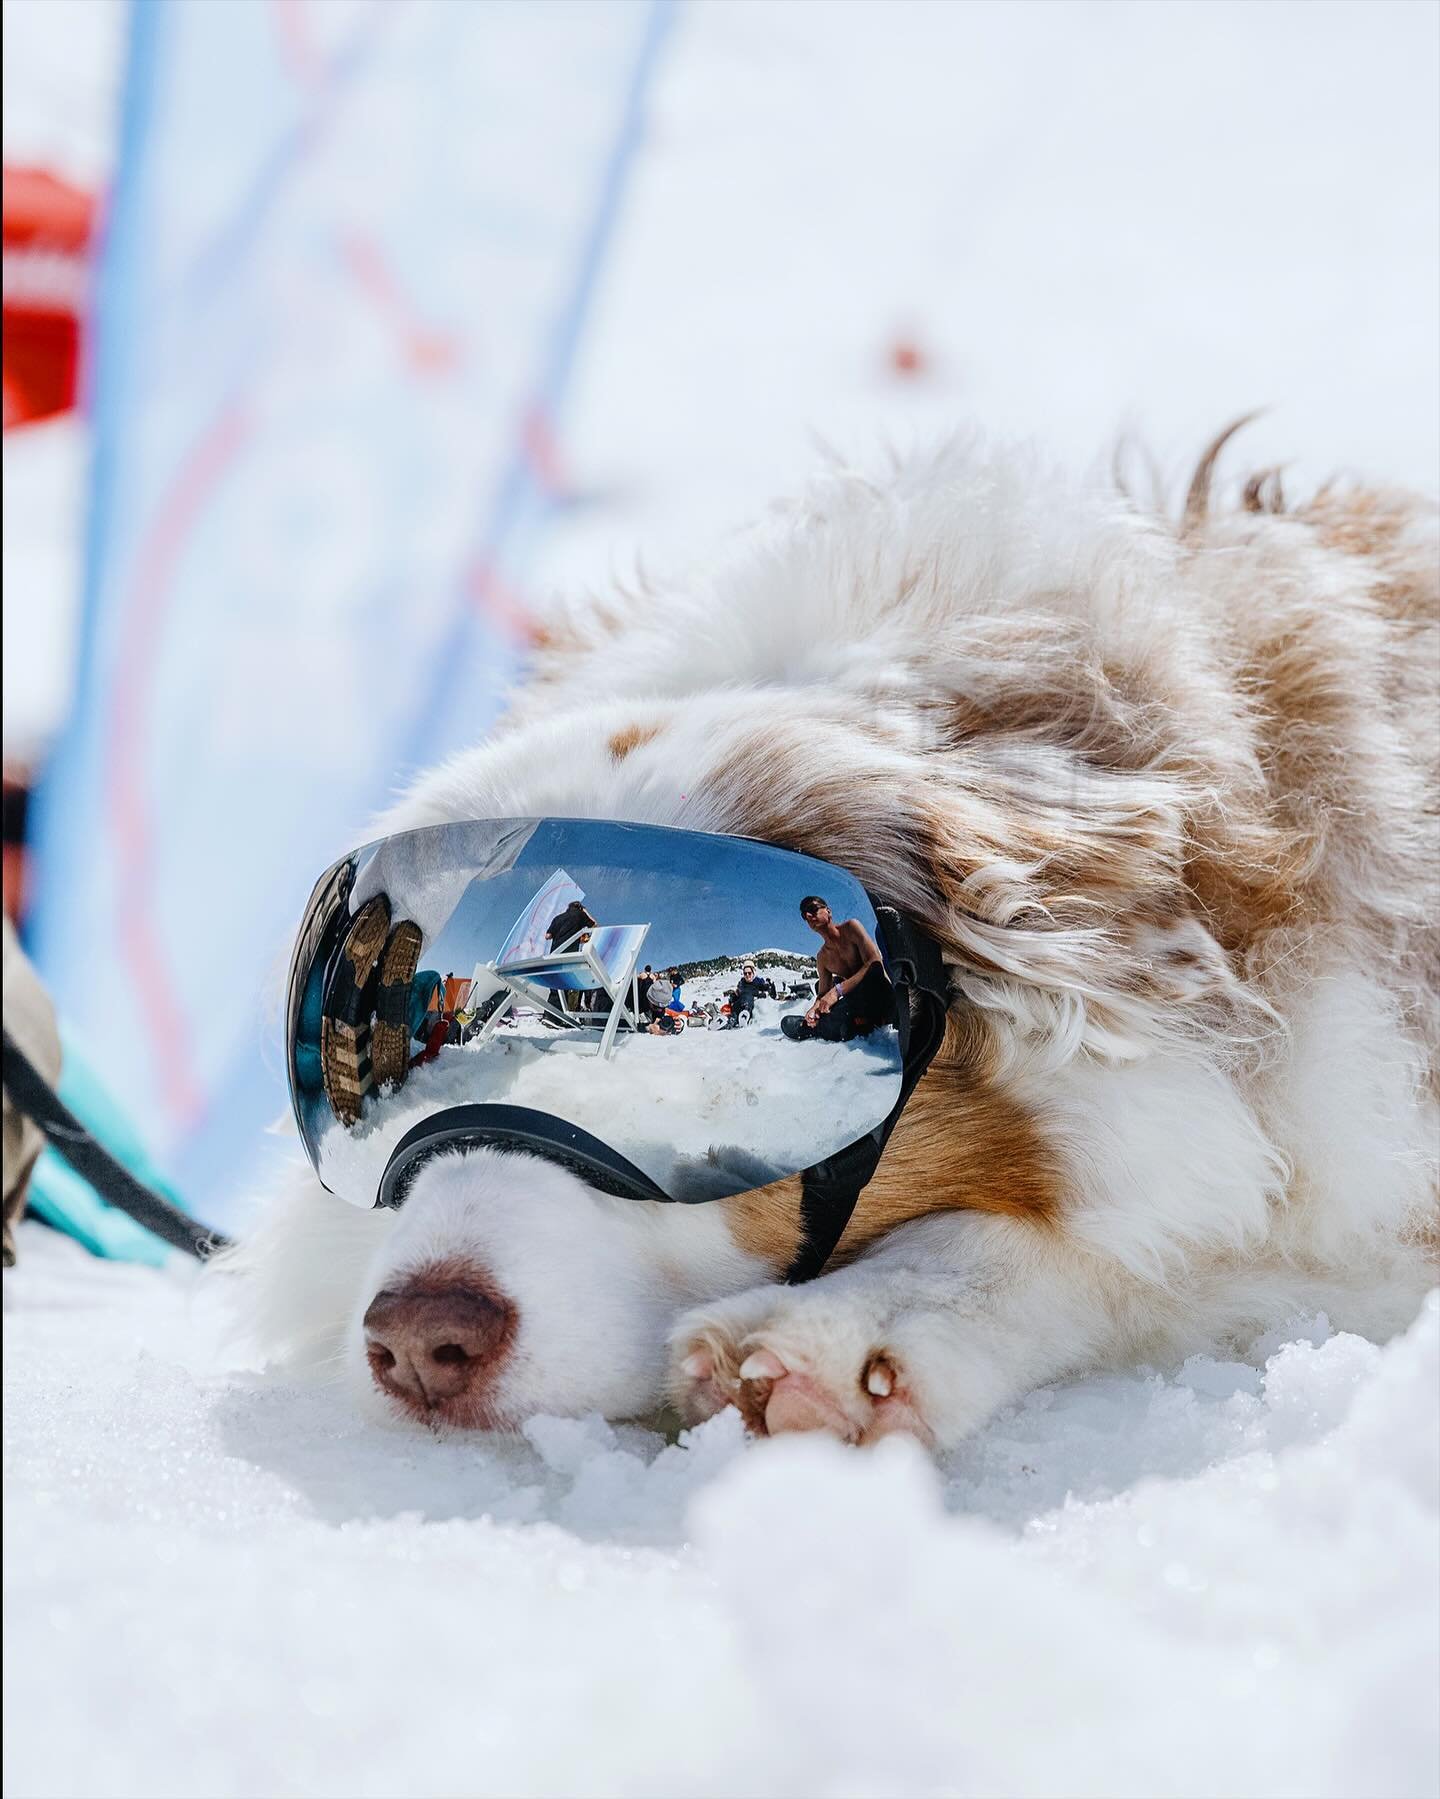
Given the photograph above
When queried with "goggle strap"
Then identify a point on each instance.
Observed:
(32, 1094)
(512, 1128)
(830, 1191)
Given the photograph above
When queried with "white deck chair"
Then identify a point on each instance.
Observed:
(602, 958)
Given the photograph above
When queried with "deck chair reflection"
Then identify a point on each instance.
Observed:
(600, 960)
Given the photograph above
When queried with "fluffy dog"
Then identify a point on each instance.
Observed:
(1164, 793)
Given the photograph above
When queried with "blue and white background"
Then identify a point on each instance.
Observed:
(350, 256)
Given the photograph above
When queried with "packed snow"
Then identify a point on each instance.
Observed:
(1215, 1579)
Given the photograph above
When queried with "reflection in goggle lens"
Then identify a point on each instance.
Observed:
(688, 1000)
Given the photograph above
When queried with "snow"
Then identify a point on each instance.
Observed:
(1218, 1579)
(703, 1113)
(782, 967)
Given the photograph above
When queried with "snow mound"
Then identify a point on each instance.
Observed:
(1219, 1579)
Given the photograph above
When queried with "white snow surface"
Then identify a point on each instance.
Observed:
(679, 1107)
(1214, 1579)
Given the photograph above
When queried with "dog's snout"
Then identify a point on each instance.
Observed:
(435, 1348)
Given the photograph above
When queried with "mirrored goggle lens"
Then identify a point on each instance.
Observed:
(659, 995)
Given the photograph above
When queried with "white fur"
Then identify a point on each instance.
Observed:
(598, 1280)
(1239, 1144)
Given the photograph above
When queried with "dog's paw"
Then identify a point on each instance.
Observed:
(706, 1353)
(786, 1371)
(858, 1402)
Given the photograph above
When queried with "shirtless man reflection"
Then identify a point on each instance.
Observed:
(854, 995)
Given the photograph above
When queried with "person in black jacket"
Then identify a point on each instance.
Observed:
(564, 927)
(743, 997)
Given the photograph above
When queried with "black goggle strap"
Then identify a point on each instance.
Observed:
(831, 1190)
(33, 1095)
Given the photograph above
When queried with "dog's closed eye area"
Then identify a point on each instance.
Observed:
(436, 1341)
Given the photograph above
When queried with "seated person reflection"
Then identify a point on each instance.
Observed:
(665, 1005)
(744, 995)
(854, 996)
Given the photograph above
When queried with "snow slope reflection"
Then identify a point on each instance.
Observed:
(673, 1102)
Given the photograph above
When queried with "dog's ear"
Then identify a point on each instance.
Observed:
(1063, 895)
(1031, 839)
(1057, 888)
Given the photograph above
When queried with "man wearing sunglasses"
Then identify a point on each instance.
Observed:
(853, 996)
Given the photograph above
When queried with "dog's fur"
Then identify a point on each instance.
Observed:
(1166, 795)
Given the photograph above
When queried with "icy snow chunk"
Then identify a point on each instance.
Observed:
(1219, 1380)
(1309, 1389)
(566, 1444)
(636, 1490)
(1395, 1421)
(1313, 1331)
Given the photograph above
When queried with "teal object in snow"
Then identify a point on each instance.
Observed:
(69, 1203)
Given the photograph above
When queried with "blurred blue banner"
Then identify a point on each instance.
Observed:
(346, 270)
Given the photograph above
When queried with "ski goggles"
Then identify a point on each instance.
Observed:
(567, 987)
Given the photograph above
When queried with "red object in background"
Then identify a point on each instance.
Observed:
(907, 357)
(48, 228)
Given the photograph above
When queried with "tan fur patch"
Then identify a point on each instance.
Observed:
(766, 1221)
(552, 639)
(1361, 521)
(561, 641)
(962, 1145)
(812, 820)
(631, 738)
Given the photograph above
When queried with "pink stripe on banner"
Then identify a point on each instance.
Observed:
(154, 574)
(297, 52)
(541, 447)
(427, 351)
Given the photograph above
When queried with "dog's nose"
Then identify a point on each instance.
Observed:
(433, 1347)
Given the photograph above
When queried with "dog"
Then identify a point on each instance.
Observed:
(1164, 791)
